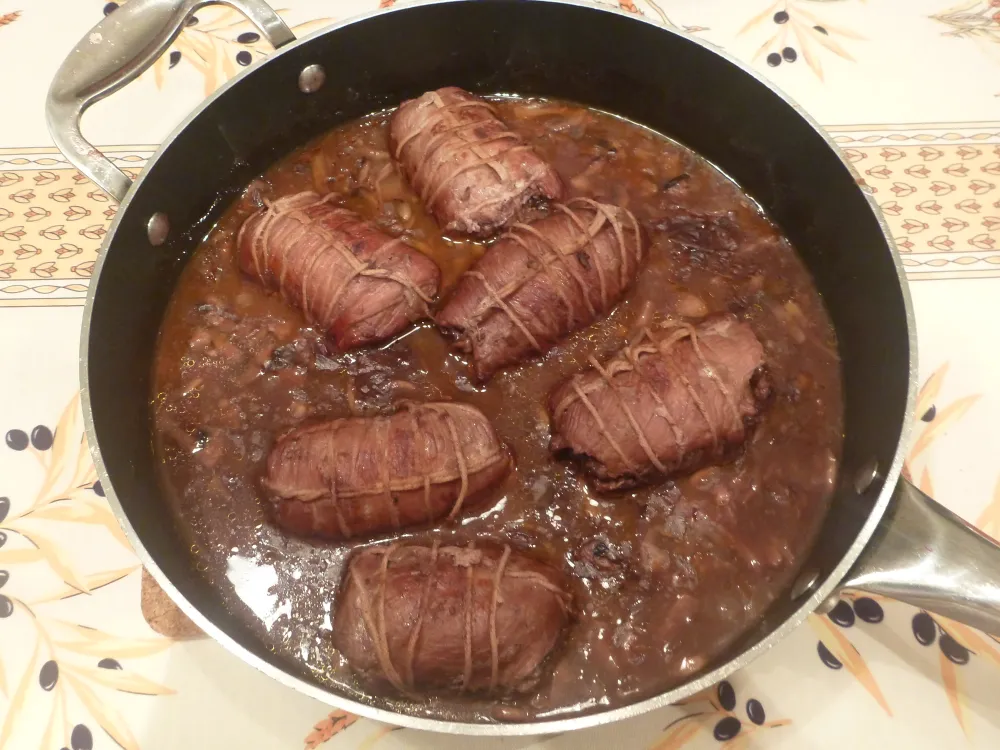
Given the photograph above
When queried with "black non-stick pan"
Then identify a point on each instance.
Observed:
(881, 533)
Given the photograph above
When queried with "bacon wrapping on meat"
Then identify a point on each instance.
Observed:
(471, 171)
(360, 285)
(358, 476)
(679, 398)
(477, 618)
(542, 281)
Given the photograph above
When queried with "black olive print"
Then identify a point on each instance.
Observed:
(81, 738)
(6, 606)
(790, 54)
(48, 676)
(248, 37)
(98, 488)
(781, 17)
(755, 711)
(869, 610)
(928, 416)
(3, 539)
(42, 438)
(243, 57)
(110, 8)
(826, 657)
(4, 577)
(774, 59)
(924, 628)
(192, 21)
(175, 57)
(727, 728)
(4, 508)
(955, 651)
(109, 663)
(727, 696)
(842, 614)
(821, 30)
(17, 440)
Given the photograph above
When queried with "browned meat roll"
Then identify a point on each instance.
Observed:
(437, 617)
(359, 284)
(542, 281)
(471, 171)
(362, 475)
(679, 398)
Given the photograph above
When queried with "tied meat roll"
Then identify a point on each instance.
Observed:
(360, 285)
(471, 171)
(542, 281)
(679, 398)
(434, 617)
(363, 475)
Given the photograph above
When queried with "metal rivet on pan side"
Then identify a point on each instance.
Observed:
(805, 583)
(866, 476)
(157, 229)
(311, 79)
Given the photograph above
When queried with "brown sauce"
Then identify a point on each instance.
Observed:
(667, 576)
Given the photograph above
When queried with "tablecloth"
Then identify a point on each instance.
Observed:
(92, 654)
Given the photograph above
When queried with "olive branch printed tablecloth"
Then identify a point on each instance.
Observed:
(92, 654)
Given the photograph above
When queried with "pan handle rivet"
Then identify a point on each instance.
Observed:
(805, 583)
(866, 476)
(311, 79)
(157, 229)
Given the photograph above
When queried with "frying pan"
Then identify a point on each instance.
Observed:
(881, 535)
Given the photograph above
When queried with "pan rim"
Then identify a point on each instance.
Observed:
(821, 592)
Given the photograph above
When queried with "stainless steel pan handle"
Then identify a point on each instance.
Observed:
(115, 52)
(925, 555)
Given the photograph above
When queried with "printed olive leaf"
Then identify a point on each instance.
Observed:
(812, 61)
(759, 18)
(4, 691)
(335, 723)
(838, 645)
(945, 418)
(19, 697)
(104, 713)
(824, 39)
(831, 28)
(120, 679)
(82, 506)
(989, 519)
(930, 389)
(94, 581)
(70, 464)
(56, 559)
(16, 556)
(51, 737)
(678, 733)
(105, 644)
(709, 695)
(952, 688)
(375, 737)
(926, 485)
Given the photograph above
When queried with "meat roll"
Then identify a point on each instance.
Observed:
(436, 617)
(678, 399)
(472, 172)
(363, 475)
(359, 284)
(542, 281)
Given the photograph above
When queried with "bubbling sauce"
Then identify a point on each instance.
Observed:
(666, 576)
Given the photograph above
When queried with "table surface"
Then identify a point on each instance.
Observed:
(92, 654)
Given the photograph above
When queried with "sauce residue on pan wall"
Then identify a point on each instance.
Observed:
(667, 576)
